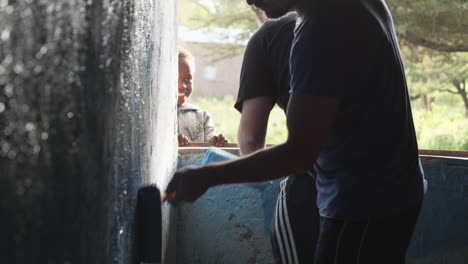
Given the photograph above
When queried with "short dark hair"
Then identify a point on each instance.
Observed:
(185, 54)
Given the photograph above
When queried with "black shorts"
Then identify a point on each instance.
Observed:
(295, 225)
(382, 240)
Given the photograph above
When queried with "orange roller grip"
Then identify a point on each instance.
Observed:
(168, 196)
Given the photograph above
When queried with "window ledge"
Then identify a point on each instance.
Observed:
(422, 152)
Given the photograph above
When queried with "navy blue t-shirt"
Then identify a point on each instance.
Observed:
(369, 165)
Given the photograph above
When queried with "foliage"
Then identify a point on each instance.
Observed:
(429, 72)
(217, 14)
(434, 44)
(213, 14)
(444, 127)
(436, 24)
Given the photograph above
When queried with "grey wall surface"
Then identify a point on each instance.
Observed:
(230, 224)
(441, 234)
(87, 117)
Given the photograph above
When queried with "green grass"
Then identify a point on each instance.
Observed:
(444, 128)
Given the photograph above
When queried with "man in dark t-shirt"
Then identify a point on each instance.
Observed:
(369, 202)
(265, 68)
(265, 81)
(349, 115)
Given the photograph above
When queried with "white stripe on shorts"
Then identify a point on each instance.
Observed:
(277, 230)
(284, 235)
(288, 225)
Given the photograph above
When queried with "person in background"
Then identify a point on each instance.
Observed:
(265, 81)
(194, 124)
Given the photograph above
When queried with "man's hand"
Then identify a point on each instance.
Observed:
(183, 140)
(188, 184)
(218, 141)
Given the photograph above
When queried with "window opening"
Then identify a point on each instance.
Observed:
(433, 40)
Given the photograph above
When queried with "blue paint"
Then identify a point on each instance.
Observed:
(217, 155)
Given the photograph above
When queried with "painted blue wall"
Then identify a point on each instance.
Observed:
(230, 224)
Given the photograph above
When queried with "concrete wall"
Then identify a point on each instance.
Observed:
(230, 224)
(87, 117)
(442, 231)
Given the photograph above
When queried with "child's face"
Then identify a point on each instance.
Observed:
(186, 71)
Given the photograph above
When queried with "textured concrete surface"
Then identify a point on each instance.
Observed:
(225, 226)
(230, 224)
(87, 117)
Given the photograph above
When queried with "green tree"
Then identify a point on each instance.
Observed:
(435, 24)
(216, 14)
(434, 43)
(429, 72)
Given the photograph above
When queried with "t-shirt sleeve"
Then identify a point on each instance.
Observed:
(326, 55)
(256, 75)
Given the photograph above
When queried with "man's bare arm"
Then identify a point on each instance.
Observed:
(253, 124)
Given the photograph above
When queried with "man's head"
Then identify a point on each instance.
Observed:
(186, 72)
(274, 8)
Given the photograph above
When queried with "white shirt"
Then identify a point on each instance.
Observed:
(194, 123)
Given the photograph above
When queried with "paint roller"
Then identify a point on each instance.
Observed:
(149, 225)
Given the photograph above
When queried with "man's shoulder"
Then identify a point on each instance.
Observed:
(274, 26)
(334, 21)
